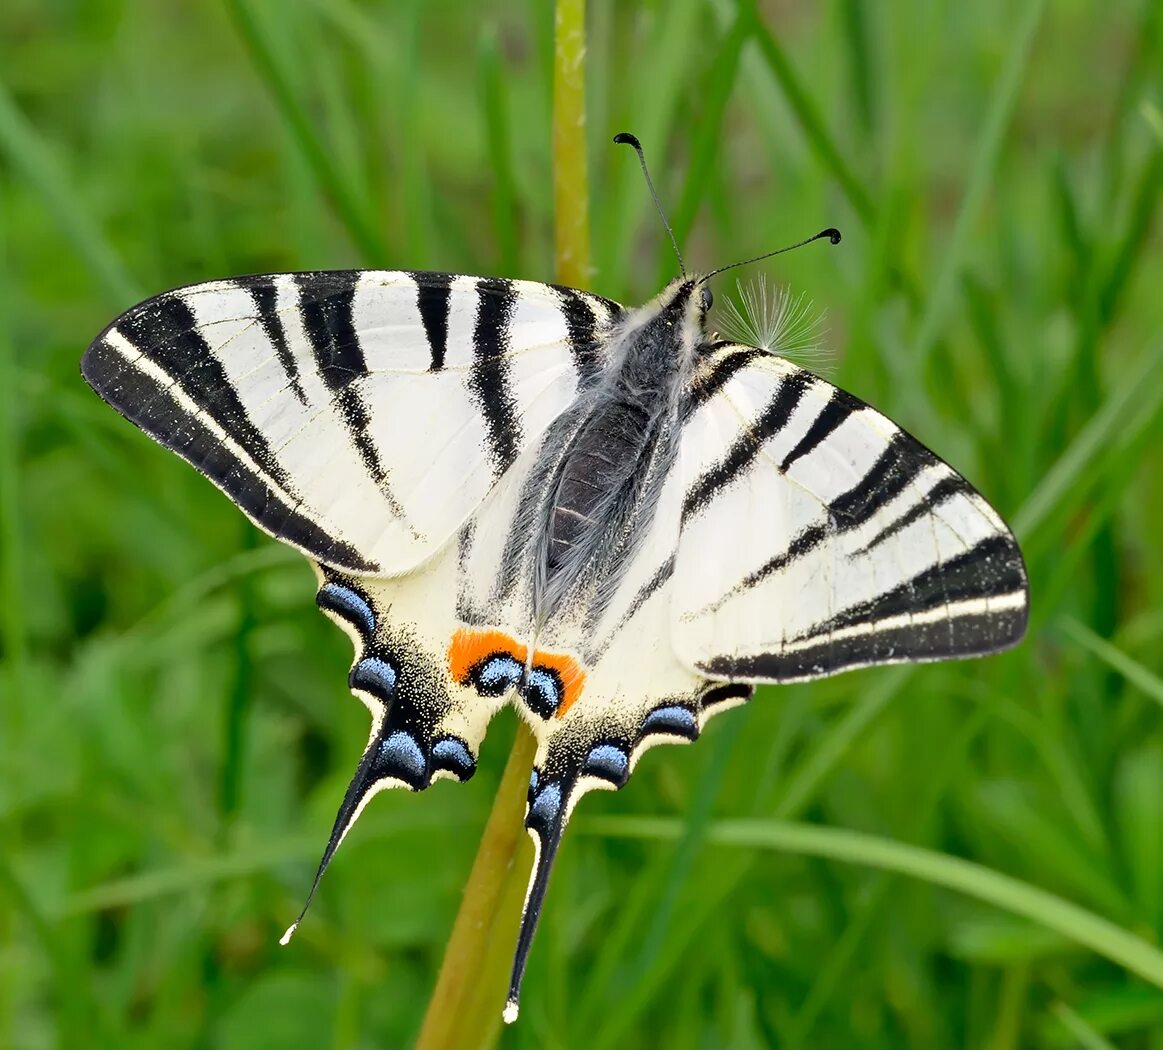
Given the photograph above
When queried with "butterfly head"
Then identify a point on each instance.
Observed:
(690, 294)
(680, 311)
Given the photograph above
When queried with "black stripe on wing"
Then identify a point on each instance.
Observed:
(942, 492)
(584, 324)
(841, 518)
(942, 611)
(991, 569)
(166, 332)
(724, 360)
(975, 635)
(804, 542)
(489, 375)
(839, 407)
(326, 306)
(747, 446)
(265, 293)
(982, 592)
(895, 469)
(433, 300)
(327, 310)
(157, 410)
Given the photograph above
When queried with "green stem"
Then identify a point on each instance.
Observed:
(466, 1002)
(465, 1008)
(570, 193)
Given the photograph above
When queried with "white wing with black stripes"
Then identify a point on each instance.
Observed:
(818, 536)
(519, 493)
(361, 416)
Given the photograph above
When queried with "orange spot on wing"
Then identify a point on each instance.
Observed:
(571, 675)
(469, 647)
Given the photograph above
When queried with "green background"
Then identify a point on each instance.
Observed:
(175, 730)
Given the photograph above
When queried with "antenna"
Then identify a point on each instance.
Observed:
(831, 233)
(624, 138)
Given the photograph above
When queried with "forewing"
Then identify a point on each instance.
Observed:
(817, 536)
(360, 416)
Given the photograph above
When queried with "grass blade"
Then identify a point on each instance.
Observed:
(1076, 924)
(31, 156)
(1064, 476)
(273, 66)
(985, 156)
(708, 134)
(660, 74)
(1134, 672)
(1083, 1035)
(496, 116)
(813, 125)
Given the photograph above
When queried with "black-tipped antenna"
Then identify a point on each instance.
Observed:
(831, 233)
(624, 138)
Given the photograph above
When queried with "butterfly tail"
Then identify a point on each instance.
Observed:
(545, 821)
(393, 758)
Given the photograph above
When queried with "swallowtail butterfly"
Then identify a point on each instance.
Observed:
(520, 493)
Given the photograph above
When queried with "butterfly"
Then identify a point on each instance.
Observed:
(521, 493)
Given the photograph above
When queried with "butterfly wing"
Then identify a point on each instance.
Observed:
(439, 650)
(360, 416)
(817, 536)
(425, 725)
(601, 683)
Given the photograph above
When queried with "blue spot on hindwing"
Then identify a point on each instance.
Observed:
(374, 675)
(496, 675)
(609, 762)
(452, 754)
(400, 756)
(546, 808)
(543, 692)
(672, 720)
(349, 604)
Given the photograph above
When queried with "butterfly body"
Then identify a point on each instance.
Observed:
(520, 493)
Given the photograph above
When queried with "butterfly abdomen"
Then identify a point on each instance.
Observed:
(604, 457)
(600, 475)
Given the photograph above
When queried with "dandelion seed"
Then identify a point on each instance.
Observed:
(774, 319)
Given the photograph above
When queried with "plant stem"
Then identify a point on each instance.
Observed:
(465, 1008)
(570, 192)
(468, 989)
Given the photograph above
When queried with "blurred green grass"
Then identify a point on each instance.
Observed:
(176, 730)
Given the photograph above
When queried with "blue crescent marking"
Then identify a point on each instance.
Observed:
(546, 806)
(374, 675)
(609, 762)
(451, 753)
(543, 693)
(673, 720)
(350, 605)
(499, 673)
(402, 752)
